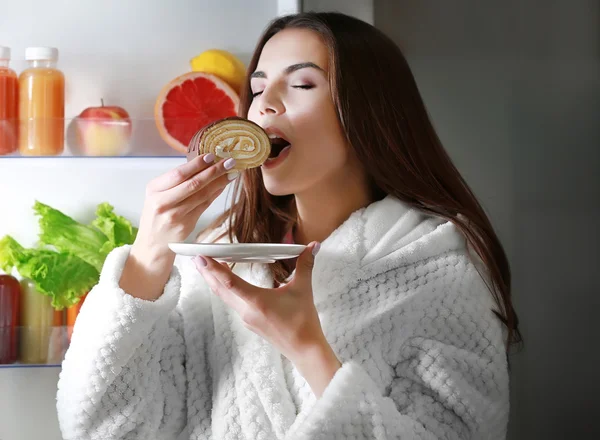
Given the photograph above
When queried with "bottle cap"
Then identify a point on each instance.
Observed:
(41, 53)
(4, 53)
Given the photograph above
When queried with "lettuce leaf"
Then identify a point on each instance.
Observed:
(117, 229)
(70, 255)
(61, 275)
(70, 236)
(92, 243)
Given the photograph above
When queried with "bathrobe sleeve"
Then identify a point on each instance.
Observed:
(123, 376)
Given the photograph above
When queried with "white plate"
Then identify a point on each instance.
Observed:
(239, 252)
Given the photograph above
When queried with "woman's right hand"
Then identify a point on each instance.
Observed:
(176, 200)
(174, 203)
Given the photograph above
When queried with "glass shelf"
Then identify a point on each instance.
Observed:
(34, 347)
(93, 138)
(22, 366)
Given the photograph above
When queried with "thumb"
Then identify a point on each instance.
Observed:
(305, 264)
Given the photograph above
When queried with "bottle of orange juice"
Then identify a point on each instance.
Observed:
(8, 104)
(41, 104)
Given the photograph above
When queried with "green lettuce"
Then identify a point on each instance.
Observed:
(117, 229)
(60, 275)
(92, 243)
(70, 255)
(70, 236)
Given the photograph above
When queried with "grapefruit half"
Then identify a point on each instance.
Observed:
(188, 103)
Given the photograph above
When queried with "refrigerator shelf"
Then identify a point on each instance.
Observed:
(24, 366)
(34, 347)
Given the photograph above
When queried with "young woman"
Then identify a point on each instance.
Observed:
(396, 326)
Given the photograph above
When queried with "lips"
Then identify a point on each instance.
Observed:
(278, 141)
(277, 145)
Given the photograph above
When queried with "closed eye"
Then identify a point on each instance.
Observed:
(303, 87)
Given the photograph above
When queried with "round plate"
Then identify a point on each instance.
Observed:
(239, 252)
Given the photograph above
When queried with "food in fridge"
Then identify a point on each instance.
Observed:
(8, 104)
(71, 254)
(36, 324)
(190, 102)
(41, 104)
(10, 297)
(104, 131)
(222, 64)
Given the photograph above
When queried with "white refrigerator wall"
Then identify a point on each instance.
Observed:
(123, 52)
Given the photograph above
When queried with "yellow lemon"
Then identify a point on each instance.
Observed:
(223, 64)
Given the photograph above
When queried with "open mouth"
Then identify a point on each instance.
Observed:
(277, 145)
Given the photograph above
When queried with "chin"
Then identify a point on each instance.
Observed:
(276, 189)
(277, 186)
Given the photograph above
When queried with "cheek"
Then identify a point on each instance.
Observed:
(253, 114)
(314, 117)
(322, 148)
(320, 132)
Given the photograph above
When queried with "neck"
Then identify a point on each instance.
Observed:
(323, 208)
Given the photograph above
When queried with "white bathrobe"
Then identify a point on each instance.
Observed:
(400, 302)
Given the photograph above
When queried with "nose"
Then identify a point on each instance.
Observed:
(270, 102)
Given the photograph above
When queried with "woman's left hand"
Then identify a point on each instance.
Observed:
(285, 316)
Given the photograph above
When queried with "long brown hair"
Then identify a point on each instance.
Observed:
(388, 128)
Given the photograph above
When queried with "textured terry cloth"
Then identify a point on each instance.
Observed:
(400, 302)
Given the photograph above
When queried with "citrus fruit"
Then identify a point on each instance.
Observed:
(223, 64)
(190, 102)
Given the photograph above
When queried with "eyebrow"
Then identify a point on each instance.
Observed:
(289, 69)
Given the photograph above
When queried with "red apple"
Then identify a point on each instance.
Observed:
(104, 131)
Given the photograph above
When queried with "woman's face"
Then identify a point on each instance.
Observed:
(292, 100)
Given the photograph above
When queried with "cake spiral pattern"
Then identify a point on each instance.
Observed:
(234, 137)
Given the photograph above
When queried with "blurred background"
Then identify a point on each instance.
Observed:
(513, 88)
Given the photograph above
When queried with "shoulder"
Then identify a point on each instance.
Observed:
(445, 291)
(444, 280)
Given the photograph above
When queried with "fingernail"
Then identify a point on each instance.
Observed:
(229, 163)
(209, 158)
(315, 250)
(233, 175)
(200, 261)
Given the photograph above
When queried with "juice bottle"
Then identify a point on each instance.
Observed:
(59, 342)
(8, 104)
(10, 294)
(36, 320)
(41, 104)
(72, 313)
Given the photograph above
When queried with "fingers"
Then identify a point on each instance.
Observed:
(223, 281)
(197, 182)
(207, 196)
(181, 173)
(304, 266)
(206, 267)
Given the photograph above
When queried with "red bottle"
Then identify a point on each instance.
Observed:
(9, 106)
(10, 294)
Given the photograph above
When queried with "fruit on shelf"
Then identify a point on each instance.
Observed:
(190, 102)
(222, 64)
(104, 131)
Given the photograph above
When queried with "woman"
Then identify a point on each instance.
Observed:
(397, 326)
